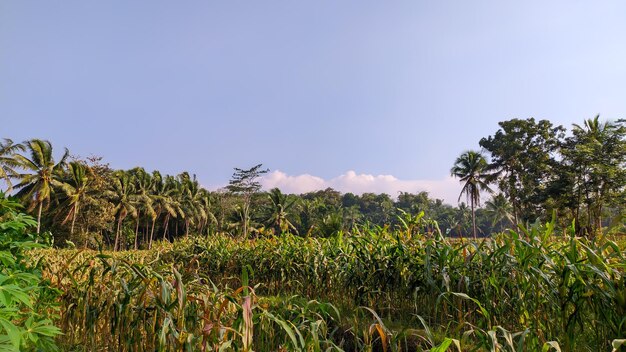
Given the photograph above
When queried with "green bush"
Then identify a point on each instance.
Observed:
(27, 302)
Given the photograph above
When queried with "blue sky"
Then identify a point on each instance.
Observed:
(359, 95)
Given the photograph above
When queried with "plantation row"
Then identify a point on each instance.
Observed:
(523, 292)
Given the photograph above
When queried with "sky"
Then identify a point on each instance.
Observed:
(362, 96)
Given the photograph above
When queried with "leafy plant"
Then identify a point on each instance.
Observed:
(27, 303)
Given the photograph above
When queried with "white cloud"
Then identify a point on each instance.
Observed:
(446, 188)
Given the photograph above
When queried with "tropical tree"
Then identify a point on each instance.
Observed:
(595, 156)
(471, 169)
(245, 184)
(142, 182)
(499, 209)
(191, 201)
(162, 203)
(76, 187)
(278, 212)
(40, 176)
(122, 195)
(170, 200)
(308, 213)
(8, 163)
(523, 157)
(207, 218)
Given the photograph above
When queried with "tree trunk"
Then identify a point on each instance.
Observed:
(39, 219)
(137, 230)
(473, 218)
(245, 220)
(165, 225)
(117, 235)
(74, 218)
(151, 234)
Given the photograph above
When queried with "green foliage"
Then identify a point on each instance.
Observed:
(523, 156)
(27, 303)
(518, 291)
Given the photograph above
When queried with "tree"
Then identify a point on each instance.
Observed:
(245, 184)
(499, 209)
(76, 186)
(42, 174)
(279, 211)
(96, 213)
(162, 202)
(595, 156)
(523, 158)
(142, 182)
(8, 163)
(308, 214)
(471, 168)
(122, 195)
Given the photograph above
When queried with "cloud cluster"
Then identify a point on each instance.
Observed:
(446, 188)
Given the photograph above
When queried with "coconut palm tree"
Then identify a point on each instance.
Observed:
(279, 210)
(122, 195)
(471, 168)
(76, 187)
(40, 176)
(8, 163)
(599, 153)
(208, 217)
(162, 203)
(191, 200)
(167, 201)
(499, 209)
(308, 211)
(142, 182)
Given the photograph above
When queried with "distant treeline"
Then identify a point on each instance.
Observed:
(532, 170)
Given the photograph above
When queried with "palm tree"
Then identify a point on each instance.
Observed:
(471, 168)
(76, 187)
(599, 155)
(42, 173)
(122, 195)
(162, 202)
(463, 216)
(278, 212)
(191, 201)
(308, 211)
(208, 217)
(166, 201)
(8, 163)
(499, 209)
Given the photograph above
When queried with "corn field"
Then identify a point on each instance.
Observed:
(371, 290)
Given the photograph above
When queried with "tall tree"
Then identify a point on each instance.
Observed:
(40, 176)
(595, 155)
(162, 203)
(122, 195)
(499, 209)
(76, 187)
(245, 184)
(142, 182)
(471, 168)
(523, 156)
(279, 210)
(8, 162)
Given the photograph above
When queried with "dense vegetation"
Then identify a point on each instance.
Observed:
(385, 290)
(167, 265)
(27, 301)
(537, 168)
